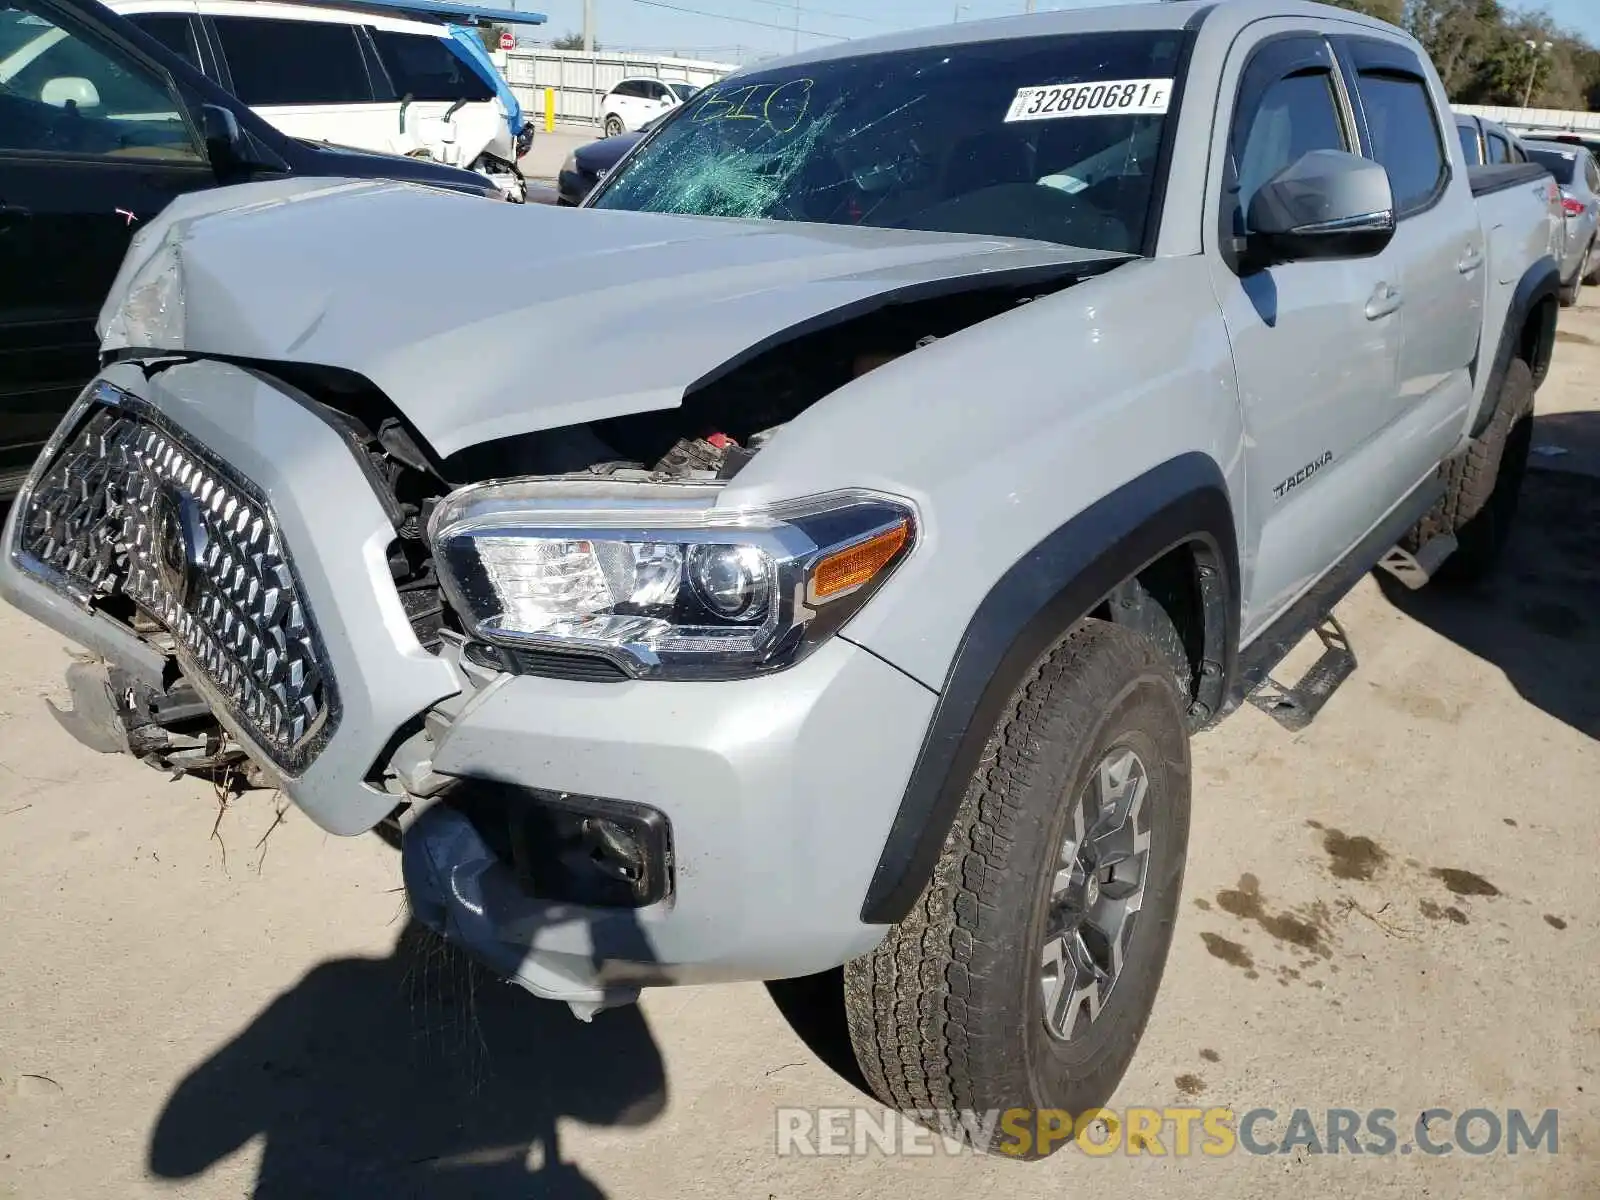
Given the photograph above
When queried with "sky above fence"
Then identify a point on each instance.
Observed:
(746, 29)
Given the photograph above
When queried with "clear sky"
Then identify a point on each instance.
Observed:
(743, 29)
(1581, 16)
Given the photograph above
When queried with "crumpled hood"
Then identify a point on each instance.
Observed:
(485, 320)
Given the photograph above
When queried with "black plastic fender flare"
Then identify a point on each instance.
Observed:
(1048, 590)
(1541, 282)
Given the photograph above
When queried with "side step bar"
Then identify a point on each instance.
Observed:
(1414, 570)
(1296, 707)
(1311, 614)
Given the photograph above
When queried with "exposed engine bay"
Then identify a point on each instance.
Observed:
(722, 424)
(724, 421)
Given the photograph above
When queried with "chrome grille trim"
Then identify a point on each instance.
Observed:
(98, 523)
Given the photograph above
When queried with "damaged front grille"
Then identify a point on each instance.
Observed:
(130, 509)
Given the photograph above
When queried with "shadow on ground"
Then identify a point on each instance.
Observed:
(814, 1007)
(413, 1075)
(1538, 617)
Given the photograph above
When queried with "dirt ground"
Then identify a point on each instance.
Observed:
(1394, 908)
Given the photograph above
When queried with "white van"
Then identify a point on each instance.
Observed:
(345, 77)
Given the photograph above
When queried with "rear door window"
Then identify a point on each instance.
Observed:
(1469, 144)
(1499, 151)
(293, 62)
(176, 33)
(425, 68)
(1405, 133)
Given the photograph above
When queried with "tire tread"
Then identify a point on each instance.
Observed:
(923, 1046)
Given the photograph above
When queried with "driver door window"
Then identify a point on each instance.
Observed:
(1297, 115)
(62, 91)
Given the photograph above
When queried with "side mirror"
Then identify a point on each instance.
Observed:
(235, 153)
(70, 91)
(1329, 204)
(225, 144)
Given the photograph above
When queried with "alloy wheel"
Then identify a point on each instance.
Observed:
(1096, 894)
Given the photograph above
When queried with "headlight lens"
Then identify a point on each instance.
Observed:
(734, 582)
(569, 165)
(658, 579)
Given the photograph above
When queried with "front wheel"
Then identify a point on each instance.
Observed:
(614, 126)
(1025, 974)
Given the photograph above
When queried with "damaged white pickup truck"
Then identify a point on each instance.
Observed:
(905, 450)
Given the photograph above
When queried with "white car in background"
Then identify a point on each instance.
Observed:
(630, 104)
(348, 78)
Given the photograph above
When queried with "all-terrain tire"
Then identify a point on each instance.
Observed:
(1484, 485)
(946, 1014)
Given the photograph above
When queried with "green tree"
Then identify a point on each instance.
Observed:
(1392, 11)
(570, 41)
(1460, 36)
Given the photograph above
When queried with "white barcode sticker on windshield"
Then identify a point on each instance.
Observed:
(1117, 97)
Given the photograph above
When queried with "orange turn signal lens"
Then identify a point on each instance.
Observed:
(852, 567)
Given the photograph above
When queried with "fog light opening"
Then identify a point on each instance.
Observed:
(614, 851)
(573, 849)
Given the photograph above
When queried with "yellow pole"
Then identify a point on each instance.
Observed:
(549, 110)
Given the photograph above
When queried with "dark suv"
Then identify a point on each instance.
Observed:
(100, 127)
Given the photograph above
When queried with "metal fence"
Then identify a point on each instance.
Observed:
(580, 80)
(1535, 118)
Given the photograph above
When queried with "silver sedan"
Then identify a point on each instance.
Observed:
(1575, 170)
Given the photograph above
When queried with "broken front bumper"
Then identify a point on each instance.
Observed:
(777, 792)
(302, 478)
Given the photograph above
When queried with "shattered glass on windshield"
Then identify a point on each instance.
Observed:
(927, 139)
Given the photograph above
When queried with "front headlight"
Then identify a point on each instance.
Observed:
(657, 579)
(569, 165)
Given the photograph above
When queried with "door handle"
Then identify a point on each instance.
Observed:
(1470, 261)
(1384, 301)
(12, 215)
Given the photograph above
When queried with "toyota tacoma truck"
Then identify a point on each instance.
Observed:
(913, 444)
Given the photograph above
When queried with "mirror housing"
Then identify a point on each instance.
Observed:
(224, 142)
(234, 154)
(1327, 205)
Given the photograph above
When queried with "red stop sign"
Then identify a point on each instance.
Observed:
(507, 41)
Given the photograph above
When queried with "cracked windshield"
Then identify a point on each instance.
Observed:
(1054, 139)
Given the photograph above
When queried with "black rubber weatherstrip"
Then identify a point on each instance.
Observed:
(1059, 581)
